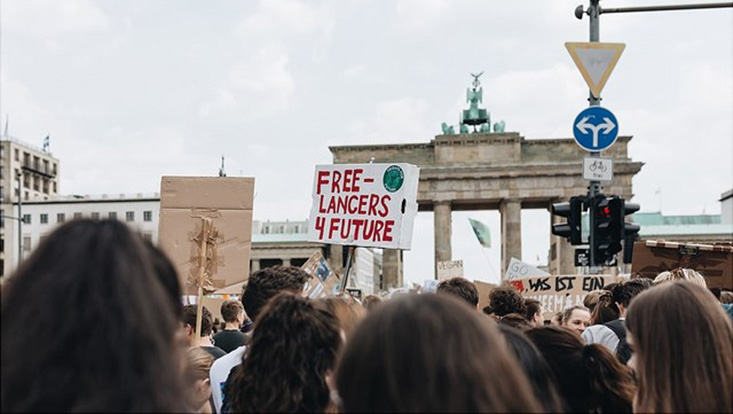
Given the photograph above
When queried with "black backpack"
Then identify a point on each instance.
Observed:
(623, 351)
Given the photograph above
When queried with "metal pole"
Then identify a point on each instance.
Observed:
(349, 263)
(594, 187)
(20, 217)
(667, 8)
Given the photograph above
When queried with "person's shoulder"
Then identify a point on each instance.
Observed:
(728, 307)
(215, 351)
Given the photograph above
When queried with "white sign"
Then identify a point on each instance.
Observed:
(597, 169)
(595, 61)
(518, 269)
(370, 205)
(450, 269)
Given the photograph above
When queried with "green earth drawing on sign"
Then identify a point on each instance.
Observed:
(393, 178)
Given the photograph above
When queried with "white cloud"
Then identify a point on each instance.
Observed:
(48, 18)
(255, 87)
(421, 14)
(395, 120)
(277, 18)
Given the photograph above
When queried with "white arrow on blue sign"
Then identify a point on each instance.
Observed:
(595, 128)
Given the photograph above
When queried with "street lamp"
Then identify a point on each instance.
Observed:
(19, 175)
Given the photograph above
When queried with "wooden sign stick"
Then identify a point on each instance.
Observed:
(205, 230)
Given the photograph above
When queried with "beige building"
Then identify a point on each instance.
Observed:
(38, 171)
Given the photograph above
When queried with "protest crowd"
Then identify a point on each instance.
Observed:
(94, 321)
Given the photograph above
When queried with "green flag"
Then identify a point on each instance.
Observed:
(482, 232)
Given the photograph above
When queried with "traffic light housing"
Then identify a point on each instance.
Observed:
(571, 210)
(631, 231)
(607, 222)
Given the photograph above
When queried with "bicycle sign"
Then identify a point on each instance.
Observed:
(595, 128)
(597, 169)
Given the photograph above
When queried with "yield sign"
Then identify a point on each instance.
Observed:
(595, 61)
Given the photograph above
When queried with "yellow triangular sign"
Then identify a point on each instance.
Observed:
(595, 61)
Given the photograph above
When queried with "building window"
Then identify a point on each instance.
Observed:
(148, 236)
(26, 195)
(27, 218)
(26, 181)
(147, 216)
(297, 229)
(60, 217)
(112, 215)
(95, 216)
(45, 186)
(54, 187)
(77, 215)
(266, 230)
(17, 155)
(27, 243)
(44, 218)
(2, 245)
(130, 216)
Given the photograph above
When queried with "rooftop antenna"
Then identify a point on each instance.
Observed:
(222, 173)
(5, 134)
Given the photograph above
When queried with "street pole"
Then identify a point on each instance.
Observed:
(594, 187)
(20, 217)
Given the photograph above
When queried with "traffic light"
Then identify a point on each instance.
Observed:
(572, 211)
(631, 231)
(607, 222)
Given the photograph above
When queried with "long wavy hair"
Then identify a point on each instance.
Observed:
(683, 350)
(88, 324)
(430, 353)
(589, 377)
(294, 346)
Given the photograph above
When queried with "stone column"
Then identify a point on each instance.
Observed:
(336, 258)
(286, 261)
(564, 253)
(511, 231)
(442, 217)
(391, 269)
(255, 265)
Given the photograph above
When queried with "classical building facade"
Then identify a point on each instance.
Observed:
(501, 171)
(38, 171)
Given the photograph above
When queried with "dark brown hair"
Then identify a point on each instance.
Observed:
(264, 284)
(294, 345)
(515, 320)
(503, 300)
(624, 292)
(533, 308)
(683, 347)
(230, 310)
(590, 378)
(347, 310)
(207, 319)
(461, 288)
(430, 353)
(605, 309)
(370, 302)
(87, 325)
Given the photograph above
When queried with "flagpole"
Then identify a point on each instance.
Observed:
(491, 266)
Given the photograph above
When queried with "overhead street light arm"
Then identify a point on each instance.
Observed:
(579, 10)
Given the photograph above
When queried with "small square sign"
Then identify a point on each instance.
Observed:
(597, 169)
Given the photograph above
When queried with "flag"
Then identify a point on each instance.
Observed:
(482, 232)
(46, 143)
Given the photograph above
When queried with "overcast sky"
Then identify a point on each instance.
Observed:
(132, 90)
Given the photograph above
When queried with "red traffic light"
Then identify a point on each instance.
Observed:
(605, 211)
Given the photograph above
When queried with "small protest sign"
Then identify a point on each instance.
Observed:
(206, 229)
(483, 290)
(556, 293)
(450, 269)
(370, 205)
(518, 269)
(324, 279)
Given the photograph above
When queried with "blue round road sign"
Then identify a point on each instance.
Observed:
(595, 128)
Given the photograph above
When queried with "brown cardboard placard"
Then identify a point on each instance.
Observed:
(324, 279)
(714, 262)
(558, 292)
(484, 289)
(215, 211)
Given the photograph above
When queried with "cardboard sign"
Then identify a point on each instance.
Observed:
(324, 280)
(556, 293)
(714, 262)
(356, 293)
(450, 269)
(206, 225)
(484, 289)
(370, 205)
(518, 269)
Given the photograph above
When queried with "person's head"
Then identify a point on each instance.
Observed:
(430, 353)
(198, 365)
(232, 312)
(264, 284)
(515, 320)
(591, 299)
(503, 300)
(370, 302)
(624, 292)
(95, 274)
(293, 349)
(461, 288)
(726, 297)
(535, 367)
(347, 310)
(189, 321)
(589, 377)
(575, 318)
(534, 312)
(556, 319)
(605, 309)
(680, 274)
(682, 344)
(716, 292)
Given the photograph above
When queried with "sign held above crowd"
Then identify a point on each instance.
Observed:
(369, 205)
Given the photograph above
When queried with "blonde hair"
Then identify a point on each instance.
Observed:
(680, 274)
(198, 363)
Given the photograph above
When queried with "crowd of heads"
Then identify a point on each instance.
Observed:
(94, 321)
